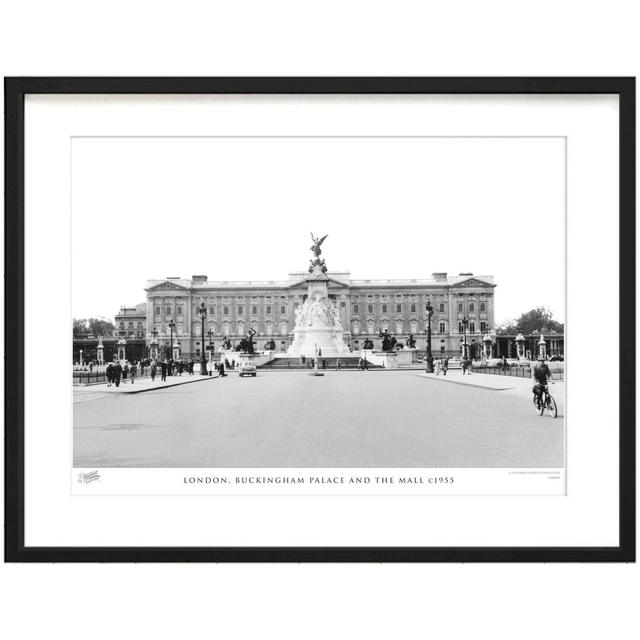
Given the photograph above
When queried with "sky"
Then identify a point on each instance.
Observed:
(243, 208)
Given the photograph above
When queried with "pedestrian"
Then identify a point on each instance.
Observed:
(117, 373)
(463, 365)
(180, 367)
(438, 366)
(141, 368)
(445, 365)
(132, 372)
(164, 365)
(109, 374)
(221, 373)
(365, 364)
(226, 363)
(324, 364)
(91, 366)
(154, 369)
(191, 363)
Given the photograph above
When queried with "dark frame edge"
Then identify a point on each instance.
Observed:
(627, 194)
(15, 90)
(14, 323)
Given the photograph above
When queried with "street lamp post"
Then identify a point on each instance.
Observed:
(203, 363)
(465, 324)
(429, 354)
(172, 324)
(154, 333)
(210, 334)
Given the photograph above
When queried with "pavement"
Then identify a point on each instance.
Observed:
(82, 393)
(342, 419)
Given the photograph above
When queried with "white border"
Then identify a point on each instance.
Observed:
(587, 516)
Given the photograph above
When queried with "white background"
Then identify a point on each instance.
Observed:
(587, 516)
(491, 38)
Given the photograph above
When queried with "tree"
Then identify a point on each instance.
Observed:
(93, 326)
(538, 319)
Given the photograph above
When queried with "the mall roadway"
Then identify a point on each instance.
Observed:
(344, 419)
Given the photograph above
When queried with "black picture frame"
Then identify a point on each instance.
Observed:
(15, 91)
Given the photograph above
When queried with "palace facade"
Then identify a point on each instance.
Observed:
(366, 308)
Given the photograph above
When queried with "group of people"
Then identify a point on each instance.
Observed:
(441, 365)
(121, 373)
(117, 373)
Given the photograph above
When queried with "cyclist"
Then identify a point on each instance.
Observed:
(542, 376)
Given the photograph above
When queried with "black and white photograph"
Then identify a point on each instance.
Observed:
(319, 302)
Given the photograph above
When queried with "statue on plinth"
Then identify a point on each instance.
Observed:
(226, 344)
(315, 248)
(246, 344)
(367, 345)
(388, 341)
(411, 341)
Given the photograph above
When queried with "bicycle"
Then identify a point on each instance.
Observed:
(547, 402)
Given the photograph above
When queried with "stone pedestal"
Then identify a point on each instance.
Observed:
(405, 356)
(542, 347)
(122, 354)
(520, 347)
(318, 328)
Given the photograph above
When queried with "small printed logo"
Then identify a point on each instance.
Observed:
(86, 478)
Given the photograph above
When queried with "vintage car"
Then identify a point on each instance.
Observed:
(246, 368)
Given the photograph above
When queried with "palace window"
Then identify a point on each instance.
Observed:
(356, 308)
(483, 307)
(158, 311)
(384, 308)
(268, 309)
(460, 327)
(178, 311)
(369, 308)
(442, 307)
(167, 310)
(131, 325)
(460, 307)
(225, 311)
(283, 310)
(212, 311)
(472, 307)
(343, 305)
(483, 326)
(254, 310)
(122, 325)
(413, 308)
(240, 310)
(398, 308)
(472, 326)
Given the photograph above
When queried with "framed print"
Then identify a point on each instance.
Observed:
(320, 319)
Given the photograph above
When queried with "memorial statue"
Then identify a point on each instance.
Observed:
(388, 341)
(411, 341)
(367, 344)
(246, 344)
(226, 343)
(316, 245)
(315, 248)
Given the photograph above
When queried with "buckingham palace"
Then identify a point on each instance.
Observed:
(366, 308)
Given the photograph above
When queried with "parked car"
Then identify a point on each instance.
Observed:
(493, 362)
(556, 358)
(247, 369)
